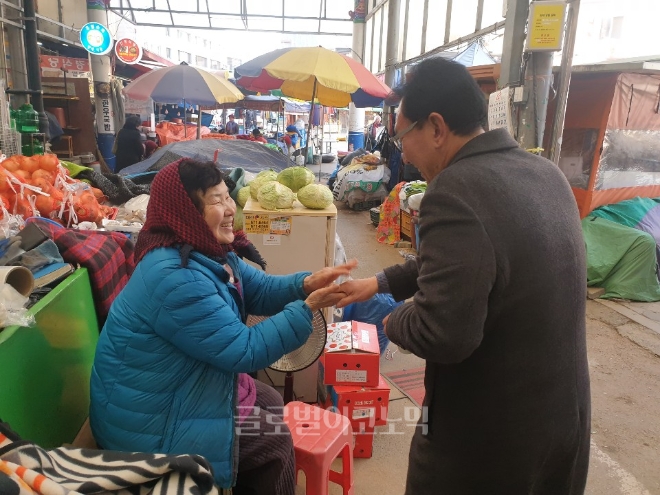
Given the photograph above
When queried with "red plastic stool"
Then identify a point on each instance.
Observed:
(319, 437)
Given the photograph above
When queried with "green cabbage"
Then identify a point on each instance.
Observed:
(295, 177)
(275, 196)
(315, 196)
(261, 178)
(238, 218)
(242, 196)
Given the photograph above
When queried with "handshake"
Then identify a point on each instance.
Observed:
(323, 292)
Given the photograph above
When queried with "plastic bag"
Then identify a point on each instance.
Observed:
(135, 209)
(10, 225)
(415, 201)
(12, 308)
(373, 311)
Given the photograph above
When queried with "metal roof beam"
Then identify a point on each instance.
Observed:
(182, 26)
(228, 14)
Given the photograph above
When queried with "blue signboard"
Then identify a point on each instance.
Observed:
(95, 38)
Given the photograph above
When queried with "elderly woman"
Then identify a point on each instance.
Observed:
(170, 372)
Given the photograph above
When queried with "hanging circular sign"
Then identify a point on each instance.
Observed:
(95, 38)
(128, 51)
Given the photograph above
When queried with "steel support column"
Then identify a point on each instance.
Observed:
(32, 62)
(102, 76)
(356, 115)
(514, 41)
(391, 55)
(564, 80)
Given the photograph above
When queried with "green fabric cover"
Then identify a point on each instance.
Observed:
(238, 175)
(629, 212)
(621, 260)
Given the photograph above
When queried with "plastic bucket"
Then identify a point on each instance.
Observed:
(356, 139)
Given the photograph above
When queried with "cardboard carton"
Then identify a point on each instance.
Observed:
(361, 404)
(351, 355)
(364, 443)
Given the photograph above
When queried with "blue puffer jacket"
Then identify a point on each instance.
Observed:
(165, 372)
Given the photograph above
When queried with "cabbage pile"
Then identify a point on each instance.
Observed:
(238, 218)
(242, 196)
(261, 178)
(295, 177)
(275, 196)
(315, 196)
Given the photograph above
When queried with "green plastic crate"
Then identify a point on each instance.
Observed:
(45, 369)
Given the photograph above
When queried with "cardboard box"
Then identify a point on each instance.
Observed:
(364, 443)
(361, 404)
(351, 355)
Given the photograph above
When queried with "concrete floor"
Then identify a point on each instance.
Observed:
(385, 472)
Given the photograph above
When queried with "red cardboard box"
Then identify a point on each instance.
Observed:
(364, 443)
(351, 355)
(361, 404)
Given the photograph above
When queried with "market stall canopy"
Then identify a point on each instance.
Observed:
(309, 73)
(251, 156)
(183, 82)
(270, 104)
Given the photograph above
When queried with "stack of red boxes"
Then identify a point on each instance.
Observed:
(353, 382)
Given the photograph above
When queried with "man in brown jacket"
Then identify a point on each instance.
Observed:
(498, 308)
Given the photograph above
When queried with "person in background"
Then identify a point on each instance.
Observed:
(250, 121)
(170, 373)
(128, 146)
(294, 135)
(232, 127)
(150, 146)
(55, 131)
(374, 129)
(498, 302)
(286, 140)
(257, 136)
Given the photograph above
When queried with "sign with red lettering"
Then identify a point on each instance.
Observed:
(128, 51)
(64, 63)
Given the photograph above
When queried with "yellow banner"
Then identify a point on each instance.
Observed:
(546, 26)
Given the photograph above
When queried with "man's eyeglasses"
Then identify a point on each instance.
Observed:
(396, 139)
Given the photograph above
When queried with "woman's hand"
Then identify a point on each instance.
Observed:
(358, 290)
(325, 297)
(326, 276)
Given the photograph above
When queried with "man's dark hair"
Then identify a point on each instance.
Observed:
(445, 87)
(198, 177)
(256, 132)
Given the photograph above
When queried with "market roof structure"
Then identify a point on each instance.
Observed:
(329, 17)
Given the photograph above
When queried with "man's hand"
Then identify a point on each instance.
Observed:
(325, 297)
(358, 290)
(326, 276)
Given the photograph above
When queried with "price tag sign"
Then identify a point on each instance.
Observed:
(280, 225)
(499, 110)
(256, 224)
